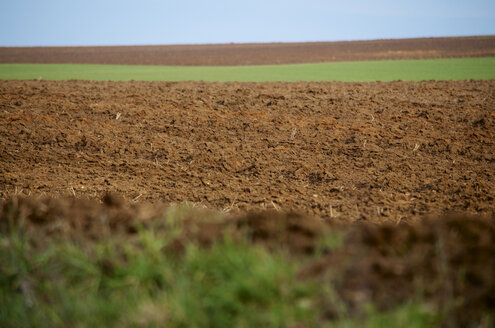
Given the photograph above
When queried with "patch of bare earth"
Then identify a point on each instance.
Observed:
(378, 152)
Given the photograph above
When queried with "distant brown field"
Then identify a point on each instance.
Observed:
(256, 54)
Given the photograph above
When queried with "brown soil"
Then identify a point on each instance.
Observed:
(378, 152)
(256, 54)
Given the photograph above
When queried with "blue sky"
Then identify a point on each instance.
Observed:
(124, 22)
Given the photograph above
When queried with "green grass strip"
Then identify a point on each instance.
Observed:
(389, 70)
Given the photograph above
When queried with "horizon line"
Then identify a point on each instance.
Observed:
(247, 43)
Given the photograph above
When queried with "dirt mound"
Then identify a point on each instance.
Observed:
(85, 218)
(377, 152)
(71, 216)
(274, 230)
(257, 54)
(448, 261)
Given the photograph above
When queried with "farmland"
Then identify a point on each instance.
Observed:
(362, 71)
(383, 151)
(141, 203)
(256, 54)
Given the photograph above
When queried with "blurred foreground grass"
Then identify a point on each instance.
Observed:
(137, 280)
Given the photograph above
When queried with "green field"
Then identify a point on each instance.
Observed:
(390, 70)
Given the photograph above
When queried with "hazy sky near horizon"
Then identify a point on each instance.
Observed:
(125, 22)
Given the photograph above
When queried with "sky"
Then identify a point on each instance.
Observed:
(142, 22)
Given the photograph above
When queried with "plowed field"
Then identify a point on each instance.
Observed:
(256, 54)
(378, 152)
